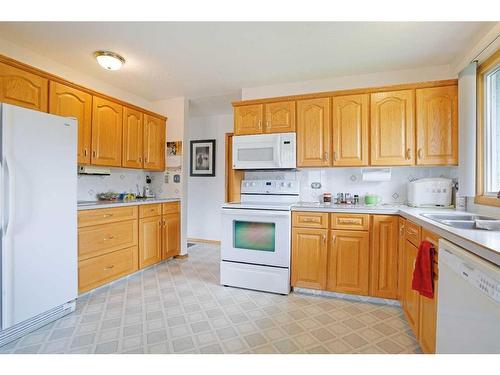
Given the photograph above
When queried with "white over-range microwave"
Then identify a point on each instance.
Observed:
(264, 151)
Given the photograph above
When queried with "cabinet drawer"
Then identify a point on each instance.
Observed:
(310, 219)
(106, 215)
(350, 221)
(413, 233)
(171, 207)
(101, 239)
(100, 270)
(149, 210)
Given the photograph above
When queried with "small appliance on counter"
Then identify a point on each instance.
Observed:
(147, 189)
(430, 192)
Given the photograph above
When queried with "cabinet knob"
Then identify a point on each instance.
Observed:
(93, 153)
(85, 151)
(326, 156)
(324, 238)
(334, 155)
(420, 153)
(109, 267)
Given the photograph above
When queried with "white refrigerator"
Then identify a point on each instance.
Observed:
(38, 215)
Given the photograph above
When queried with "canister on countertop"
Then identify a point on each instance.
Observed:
(327, 197)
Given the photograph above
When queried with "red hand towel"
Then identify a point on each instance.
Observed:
(422, 274)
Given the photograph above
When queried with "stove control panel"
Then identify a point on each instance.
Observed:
(270, 187)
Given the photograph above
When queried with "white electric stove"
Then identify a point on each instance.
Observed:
(256, 239)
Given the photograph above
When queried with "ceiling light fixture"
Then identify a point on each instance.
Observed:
(109, 60)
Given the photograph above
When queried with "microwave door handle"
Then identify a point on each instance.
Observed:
(277, 152)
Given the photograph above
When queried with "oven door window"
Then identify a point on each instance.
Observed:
(250, 235)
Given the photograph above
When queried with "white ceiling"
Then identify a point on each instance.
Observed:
(168, 59)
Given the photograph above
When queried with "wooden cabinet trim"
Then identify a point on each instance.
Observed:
(55, 78)
(367, 90)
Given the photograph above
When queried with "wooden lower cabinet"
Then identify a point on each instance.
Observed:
(348, 262)
(150, 233)
(401, 244)
(309, 257)
(171, 241)
(410, 298)
(97, 271)
(427, 321)
(384, 256)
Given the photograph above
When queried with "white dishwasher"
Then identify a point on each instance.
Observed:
(468, 317)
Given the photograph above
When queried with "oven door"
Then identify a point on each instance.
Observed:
(256, 152)
(256, 237)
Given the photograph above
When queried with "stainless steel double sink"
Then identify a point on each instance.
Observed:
(462, 221)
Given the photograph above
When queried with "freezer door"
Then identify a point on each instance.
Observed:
(38, 213)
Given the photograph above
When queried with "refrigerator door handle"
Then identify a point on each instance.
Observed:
(7, 196)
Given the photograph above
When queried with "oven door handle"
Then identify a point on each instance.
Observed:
(251, 212)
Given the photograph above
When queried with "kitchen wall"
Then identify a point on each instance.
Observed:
(206, 194)
(432, 73)
(349, 180)
(121, 180)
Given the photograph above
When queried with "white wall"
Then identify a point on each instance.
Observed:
(206, 194)
(350, 82)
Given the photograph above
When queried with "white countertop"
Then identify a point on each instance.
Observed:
(483, 243)
(108, 204)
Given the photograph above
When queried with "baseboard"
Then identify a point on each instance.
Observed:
(352, 297)
(201, 240)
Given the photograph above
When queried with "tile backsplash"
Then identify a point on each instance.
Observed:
(349, 180)
(123, 180)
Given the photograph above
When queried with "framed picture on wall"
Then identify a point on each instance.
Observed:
(203, 158)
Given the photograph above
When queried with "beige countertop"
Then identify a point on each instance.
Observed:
(92, 205)
(483, 243)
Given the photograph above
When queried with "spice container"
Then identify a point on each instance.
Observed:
(327, 197)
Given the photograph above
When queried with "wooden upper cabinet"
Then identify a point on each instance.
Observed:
(70, 102)
(280, 117)
(437, 125)
(384, 256)
(154, 143)
(248, 119)
(22, 88)
(348, 264)
(350, 130)
(393, 128)
(309, 257)
(106, 132)
(313, 133)
(132, 138)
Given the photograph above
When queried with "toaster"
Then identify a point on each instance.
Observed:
(430, 192)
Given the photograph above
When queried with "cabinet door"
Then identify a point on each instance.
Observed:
(348, 265)
(427, 321)
(401, 270)
(437, 126)
(410, 297)
(69, 102)
(248, 119)
(171, 243)
(150, 232)
(384, 256)
(22, 88)
(154, 143)
(309, 258)
(313, 133)
(106, 132)
(132, 138)
(392, 128)
(350, 130)
(280, 117)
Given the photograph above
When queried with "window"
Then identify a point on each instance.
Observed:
(489, 131)
(492, 131)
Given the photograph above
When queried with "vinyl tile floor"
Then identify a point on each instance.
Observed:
(178, 306)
